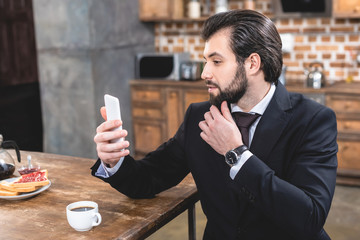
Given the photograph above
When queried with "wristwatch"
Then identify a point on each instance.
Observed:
(232, 156)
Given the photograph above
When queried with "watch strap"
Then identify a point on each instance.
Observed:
(240, 150)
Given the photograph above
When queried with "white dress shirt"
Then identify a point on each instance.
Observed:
(259, 109)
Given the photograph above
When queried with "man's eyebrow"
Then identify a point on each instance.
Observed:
(214, 54)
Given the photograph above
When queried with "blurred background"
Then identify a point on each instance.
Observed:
(59, 58)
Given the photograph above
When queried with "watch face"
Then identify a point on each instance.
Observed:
(231, 157)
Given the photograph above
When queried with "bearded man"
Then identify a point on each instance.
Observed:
(263, 159)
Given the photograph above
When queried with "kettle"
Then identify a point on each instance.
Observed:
(315, 75)
(191, 70)
(7, 163)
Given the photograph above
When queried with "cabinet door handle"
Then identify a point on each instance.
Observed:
(143, 95)
(347, 105)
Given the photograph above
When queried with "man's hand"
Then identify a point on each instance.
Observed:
(219, 129)
(110, 153)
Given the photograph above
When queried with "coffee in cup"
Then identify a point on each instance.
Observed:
(83, 215)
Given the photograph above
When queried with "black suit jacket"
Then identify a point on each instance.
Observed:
(284, 191)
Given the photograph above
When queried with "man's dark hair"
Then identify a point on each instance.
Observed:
(251, 32)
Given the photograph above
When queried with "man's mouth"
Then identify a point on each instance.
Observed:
(211, 86)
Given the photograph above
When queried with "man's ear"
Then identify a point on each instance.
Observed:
(254, 63)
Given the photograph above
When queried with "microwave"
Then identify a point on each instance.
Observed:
(302, 8)
(160, 65)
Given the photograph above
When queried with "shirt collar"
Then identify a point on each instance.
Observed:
(261, 106)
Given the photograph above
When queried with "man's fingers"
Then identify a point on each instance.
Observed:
(208, 117)
(108, 136)
(215, 112)
(113, 147)
(103, 113)
(108, 126)
(114, 156)
(203, 136)
(203, 126)
(226, 111)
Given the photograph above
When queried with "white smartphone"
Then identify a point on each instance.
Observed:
(112, 106)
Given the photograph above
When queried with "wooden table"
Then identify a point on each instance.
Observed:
(44, 217)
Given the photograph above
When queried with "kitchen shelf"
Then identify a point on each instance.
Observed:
(346, 9)
(174, 20)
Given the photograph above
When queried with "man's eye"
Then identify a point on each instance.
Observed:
(217, 62)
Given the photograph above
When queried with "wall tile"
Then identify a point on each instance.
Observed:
(316, 39)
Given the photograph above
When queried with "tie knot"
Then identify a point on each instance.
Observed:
(244, 120)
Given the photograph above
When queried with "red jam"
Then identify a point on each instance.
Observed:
(33, 177)
(28, 170)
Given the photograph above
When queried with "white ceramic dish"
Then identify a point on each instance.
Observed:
(24, 195)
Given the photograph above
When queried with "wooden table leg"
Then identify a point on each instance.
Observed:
(192, 222)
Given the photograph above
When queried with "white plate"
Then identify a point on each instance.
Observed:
(24, 195)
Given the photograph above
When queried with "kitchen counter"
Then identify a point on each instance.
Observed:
(341, 87)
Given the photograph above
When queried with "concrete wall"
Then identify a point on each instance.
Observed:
(86, 48)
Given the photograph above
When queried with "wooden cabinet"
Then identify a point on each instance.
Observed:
(346, 104)
(148, 116)
(160, 9)
(346, 8)
(344, 99)
(158, 108)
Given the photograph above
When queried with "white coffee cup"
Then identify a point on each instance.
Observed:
(83, 215)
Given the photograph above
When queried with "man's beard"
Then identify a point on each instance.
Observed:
(234, 92)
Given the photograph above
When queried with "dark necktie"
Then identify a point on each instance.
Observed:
(244, 121)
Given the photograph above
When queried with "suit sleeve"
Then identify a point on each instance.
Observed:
(159, 170)
(299, 204)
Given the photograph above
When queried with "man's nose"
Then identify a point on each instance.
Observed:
(206, 73)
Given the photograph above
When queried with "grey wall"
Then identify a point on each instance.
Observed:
(86, 48)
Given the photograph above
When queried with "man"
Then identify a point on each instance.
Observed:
(278, 183)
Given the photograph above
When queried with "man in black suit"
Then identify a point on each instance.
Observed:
(273, 180)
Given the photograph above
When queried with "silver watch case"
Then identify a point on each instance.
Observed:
(232, 156)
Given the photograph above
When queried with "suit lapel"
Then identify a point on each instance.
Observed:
(272, 123)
